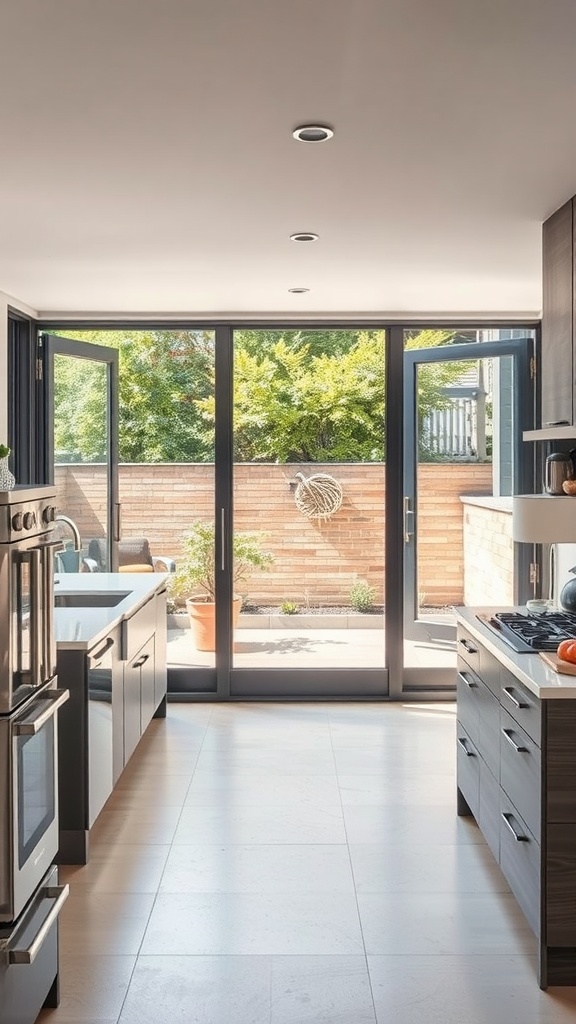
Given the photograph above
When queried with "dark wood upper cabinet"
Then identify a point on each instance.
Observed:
(558, 317)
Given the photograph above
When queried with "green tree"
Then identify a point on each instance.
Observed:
(162, 374)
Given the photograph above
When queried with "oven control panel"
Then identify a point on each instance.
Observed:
(26, 512)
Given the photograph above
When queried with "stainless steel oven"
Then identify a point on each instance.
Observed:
(27, 647)
(28, 797)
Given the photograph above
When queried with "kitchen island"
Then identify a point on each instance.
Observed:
(110, 633)
(516, 774)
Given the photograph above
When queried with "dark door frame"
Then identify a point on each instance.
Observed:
(216, 683)
(53, 345)
(520, 349)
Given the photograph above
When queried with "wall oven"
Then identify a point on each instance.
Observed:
(27, 647)
(28, 798)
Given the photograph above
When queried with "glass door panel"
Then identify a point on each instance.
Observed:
(466, 406)
(82, 427)
(166, 486)
(309, 512)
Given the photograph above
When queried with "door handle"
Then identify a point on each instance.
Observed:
(59, 893)
(408, 533)
(32, 724)
(223, 539)
(117, 521)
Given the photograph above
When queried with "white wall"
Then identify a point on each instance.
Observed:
(565, 560)
(5, 302)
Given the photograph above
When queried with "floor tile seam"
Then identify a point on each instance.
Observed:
(355, 888)
(170, 845)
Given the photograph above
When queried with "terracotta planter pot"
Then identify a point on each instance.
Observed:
(202, 616)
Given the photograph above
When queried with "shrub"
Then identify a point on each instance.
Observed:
(362, 596)
(289, 608)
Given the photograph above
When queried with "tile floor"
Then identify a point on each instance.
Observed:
(295, 864)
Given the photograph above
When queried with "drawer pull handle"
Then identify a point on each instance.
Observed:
(510, 694)
(108, 643)
(469, 682)
(141, 661)
(462, 743)
(517, 835)
(508, 735)
(469, 647)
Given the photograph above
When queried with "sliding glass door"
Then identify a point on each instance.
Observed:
(308, 525)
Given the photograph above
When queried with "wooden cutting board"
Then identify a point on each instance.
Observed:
(565, 668)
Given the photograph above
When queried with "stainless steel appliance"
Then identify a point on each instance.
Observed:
(30, 898)
(558, 468)
(526, 633)
(28, 798)
(27, 647)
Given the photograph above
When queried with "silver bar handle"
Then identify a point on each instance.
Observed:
(29, 954)
(469, 682)
(517, 703)
(462, 743)
(94, 659)
(37, 609)
(508, 736)
(506, 818)
(31, 725)
(117, 521)
(223, 539)
(408, 533)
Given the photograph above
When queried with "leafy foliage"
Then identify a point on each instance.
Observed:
(299, 395)
(196, 567)
(162, 374)
(362, 596)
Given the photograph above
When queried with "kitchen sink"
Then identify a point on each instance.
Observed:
(100, 599)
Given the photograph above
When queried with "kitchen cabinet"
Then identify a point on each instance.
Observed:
(90, 740)
(516, 774)
(558, 318)
(116, 688)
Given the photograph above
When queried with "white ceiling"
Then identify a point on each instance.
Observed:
(148, 164)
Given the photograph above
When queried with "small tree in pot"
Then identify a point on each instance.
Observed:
(195, 578)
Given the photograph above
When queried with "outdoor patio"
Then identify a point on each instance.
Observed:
(306, 647)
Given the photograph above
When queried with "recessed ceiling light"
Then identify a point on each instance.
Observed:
(298, 291)
(304, 236)
(312, 133)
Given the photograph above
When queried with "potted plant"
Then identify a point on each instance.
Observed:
(195, 577)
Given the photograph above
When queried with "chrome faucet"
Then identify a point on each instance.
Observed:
(75, 531)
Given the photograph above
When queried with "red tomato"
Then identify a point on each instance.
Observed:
(567, 651)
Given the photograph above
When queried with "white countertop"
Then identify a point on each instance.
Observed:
(80, 628)
(542, 681)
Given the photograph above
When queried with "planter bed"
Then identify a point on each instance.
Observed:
(329, 618)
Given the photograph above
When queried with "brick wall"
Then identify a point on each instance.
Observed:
(312, 559)
(489, 558)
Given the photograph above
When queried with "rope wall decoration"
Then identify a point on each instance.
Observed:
(318, 496)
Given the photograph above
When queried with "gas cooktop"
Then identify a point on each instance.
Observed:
(526, 633)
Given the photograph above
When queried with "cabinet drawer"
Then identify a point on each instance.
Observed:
(467, 769)
(520, 861)
(524, 707)
(468, 696)
(468, 648)
(520, 772)
(138, 629)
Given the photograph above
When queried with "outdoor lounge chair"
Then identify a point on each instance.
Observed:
(134, 555)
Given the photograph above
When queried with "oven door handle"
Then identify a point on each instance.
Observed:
(29, 954)
(32, 724)
(37, 610)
